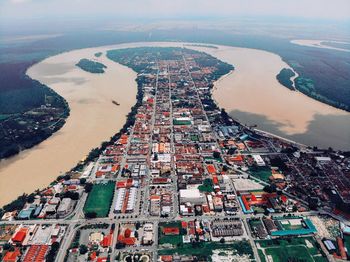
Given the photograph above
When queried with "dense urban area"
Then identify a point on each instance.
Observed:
(183, 181)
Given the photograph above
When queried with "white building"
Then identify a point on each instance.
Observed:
(258, 160)
(193, 196)
(65, 207)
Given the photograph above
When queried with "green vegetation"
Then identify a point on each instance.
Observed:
(207, 185)
(307, 86)
(99, 199)
(181, 122)
(51, 255)
(23, 118)
(205, 249)
(282, 250)
(3, 117)
(174, 240)
(98, 54)
(91, 66)
(262, 173)
(284, 78)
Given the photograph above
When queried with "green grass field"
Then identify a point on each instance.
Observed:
(282, 250)
(205, 249)
(100, 199)
(262, 173)
(281, 254)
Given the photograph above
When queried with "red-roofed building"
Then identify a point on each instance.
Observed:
(20, 236)
(171, 231)
(127, 233)
(121, 184)
(211, 169)
(341, 248)
(107, 241)
(12, 256)
(166, 258)
(93, 256)
(284, 198)
(36, 253)
(160, 180)
(130, 241)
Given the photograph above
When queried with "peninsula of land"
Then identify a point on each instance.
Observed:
(251, 94)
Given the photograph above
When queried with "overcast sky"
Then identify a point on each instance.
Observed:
(18, 9)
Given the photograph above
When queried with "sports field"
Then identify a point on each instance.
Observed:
(100, 199)
(282, 250)
(262, 173)
(174, 240)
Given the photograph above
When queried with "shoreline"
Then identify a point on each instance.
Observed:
(319, 44)
(214, 52)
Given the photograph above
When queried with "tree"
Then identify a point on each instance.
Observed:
(91, 215)
(88, 187)
(231, 151)
(83, 249)
(216, 154)
(270, 188)
(222, 240)
(7, 246)
(82, 181)
(155, 157)
(266, 212)
(50, 257)
(30, 198)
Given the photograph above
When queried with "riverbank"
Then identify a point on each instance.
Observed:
(320, 44)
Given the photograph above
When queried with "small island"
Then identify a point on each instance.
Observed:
(91, 66)
(284, 78)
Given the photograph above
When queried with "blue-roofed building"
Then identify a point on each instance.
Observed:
(26, 213)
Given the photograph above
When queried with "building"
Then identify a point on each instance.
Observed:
(65, 207)
(227, 228)
(218, 204)
(258, 160)
(193, 196)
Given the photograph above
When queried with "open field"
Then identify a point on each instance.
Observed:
(305, 249)
(99, 199)
(262, 173)
(206, 249)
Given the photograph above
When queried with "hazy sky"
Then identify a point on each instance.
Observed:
(17, 9)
